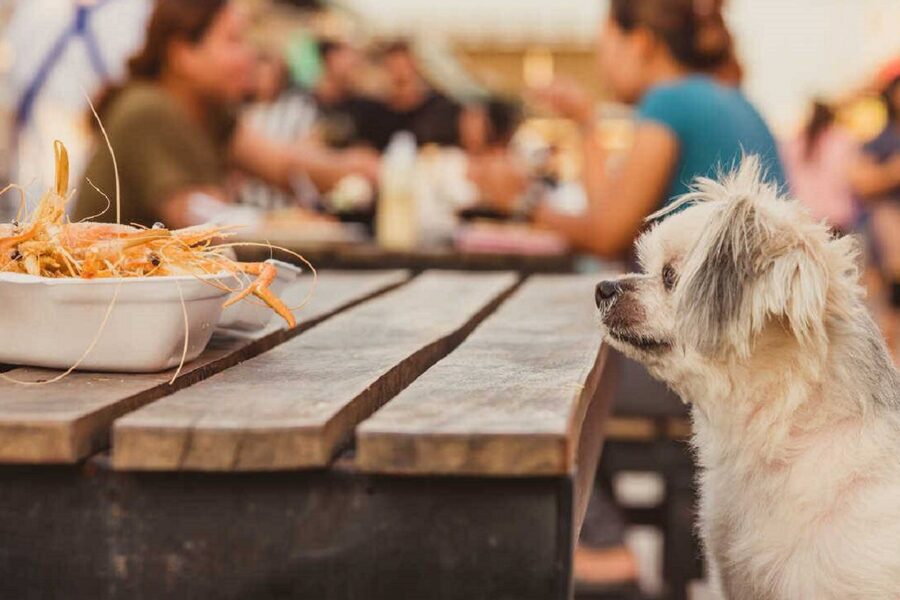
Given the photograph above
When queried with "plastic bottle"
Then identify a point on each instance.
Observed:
(396, 220)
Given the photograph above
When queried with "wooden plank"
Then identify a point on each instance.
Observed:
(509, 402)
(294, 406)
(632, 428)
(368, 256)
(68, 420)
(647, 429)
(593, 435)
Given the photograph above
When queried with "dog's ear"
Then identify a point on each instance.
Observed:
(749, 268)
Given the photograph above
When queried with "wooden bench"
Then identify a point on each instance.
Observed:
(655, 440)
(416, 437)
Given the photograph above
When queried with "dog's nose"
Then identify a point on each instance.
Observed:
(607, 290)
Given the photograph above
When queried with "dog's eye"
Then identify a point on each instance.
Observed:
(669, 277)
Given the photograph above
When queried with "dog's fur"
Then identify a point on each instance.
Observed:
(753, 314)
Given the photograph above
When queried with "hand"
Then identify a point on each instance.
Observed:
(362, 161)
(500, 180)
(893, 165)
(568, 99)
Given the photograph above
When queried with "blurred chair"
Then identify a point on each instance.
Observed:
(648, 433)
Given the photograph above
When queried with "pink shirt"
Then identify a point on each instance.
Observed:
(823, 182)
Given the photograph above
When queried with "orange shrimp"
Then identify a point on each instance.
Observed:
(259, 287)
(50, 246)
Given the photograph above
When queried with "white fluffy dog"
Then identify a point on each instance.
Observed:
(753, 313)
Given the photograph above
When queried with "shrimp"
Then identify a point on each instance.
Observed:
(47, 244)
(266, 274)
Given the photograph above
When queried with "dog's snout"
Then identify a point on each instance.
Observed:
(606, 291)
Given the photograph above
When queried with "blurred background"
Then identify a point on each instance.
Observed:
(452, 127)
(790, 51)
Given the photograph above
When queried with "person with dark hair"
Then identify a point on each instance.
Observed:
(340, 63)
(282, 114)
(485, 132)
(818, 167)
(876, 180)
(341, 110)
(410, 104)
(173, 127)
(821, 118)
(658, 55)
(491, 123)
(663, 57)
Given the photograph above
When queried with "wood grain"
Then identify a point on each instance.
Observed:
(66, 421)
(367, 256)
(294, 406)
(510, 401)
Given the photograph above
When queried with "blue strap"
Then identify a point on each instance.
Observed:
(93, 50)
(78, 28)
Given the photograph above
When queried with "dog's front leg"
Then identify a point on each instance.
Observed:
(713, 572)
(715, 578)
(711, 535)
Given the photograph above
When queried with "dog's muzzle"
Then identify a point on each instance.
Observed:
(606, 293)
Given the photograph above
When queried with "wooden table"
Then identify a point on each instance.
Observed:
(367, 256)
(426, 437)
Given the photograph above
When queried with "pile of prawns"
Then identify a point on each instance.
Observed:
(46, 244)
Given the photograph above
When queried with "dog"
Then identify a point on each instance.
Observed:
(752, 312)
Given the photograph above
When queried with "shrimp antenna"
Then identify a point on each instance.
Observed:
(111, 153)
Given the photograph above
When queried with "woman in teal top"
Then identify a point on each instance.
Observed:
(714, 125)
(673, 60)
(668, 58)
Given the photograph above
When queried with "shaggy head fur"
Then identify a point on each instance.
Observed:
(753, 313)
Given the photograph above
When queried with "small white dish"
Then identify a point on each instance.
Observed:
(250, 314)
(52, 322)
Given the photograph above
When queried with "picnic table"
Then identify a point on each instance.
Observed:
(429, 436)
(357, 253)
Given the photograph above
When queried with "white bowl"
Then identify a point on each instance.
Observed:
(251, 314)
(52, 322)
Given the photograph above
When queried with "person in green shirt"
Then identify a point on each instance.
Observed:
(172, 125)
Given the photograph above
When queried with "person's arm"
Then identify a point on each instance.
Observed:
(871, 179)
(277, 163)
(618, 201)
(192, 206)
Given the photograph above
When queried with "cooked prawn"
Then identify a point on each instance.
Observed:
(47, 244)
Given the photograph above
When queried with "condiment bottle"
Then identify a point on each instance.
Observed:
(396, 221)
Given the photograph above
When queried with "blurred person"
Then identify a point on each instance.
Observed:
(876, 180)
(656, 54)
(332, 97)
(61, 48)
(818, 165)
(410, 104)
(340, 66)
(173, 128)
(342, 112)
(474, 128)
(271, 78)
(729, 70)
(282, 114)
(488, 124)
(485, 132)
